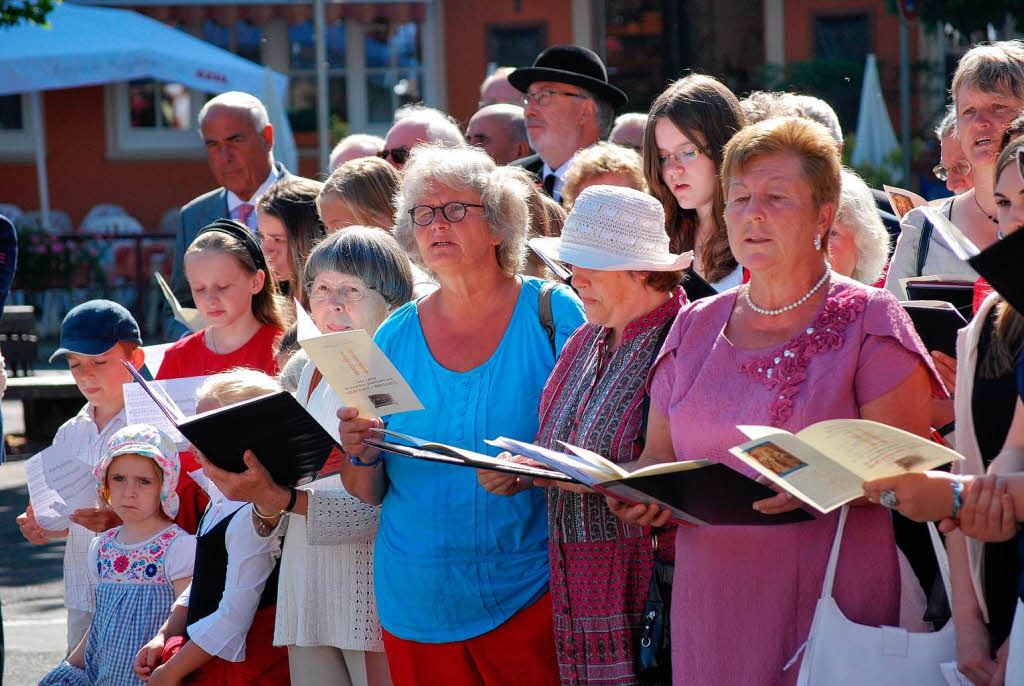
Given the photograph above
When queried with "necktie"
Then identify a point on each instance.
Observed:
(244, 212)
(549, 184)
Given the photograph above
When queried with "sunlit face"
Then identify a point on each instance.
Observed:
(133, 487)
(691, 182)
(221, 288)
(335, 213)
(770, 214)
(981, 120)
(238, 154)
(334, 309)
(100, 377)
(604, 295)
(959, 175)
(842, 250)
(549, 125)
(1010, 199)
(445, 245)
(274, 239)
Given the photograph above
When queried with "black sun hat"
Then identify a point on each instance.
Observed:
(574, 65)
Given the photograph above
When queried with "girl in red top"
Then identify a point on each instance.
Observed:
(237, 295)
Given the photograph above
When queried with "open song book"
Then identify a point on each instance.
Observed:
(826, 464)
(189, 316)
(696, 492)
(285, 438)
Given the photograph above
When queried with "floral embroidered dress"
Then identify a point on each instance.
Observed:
(600, 567)
(133, 598)
(744, 596)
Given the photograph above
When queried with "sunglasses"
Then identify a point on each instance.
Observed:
(398, 155)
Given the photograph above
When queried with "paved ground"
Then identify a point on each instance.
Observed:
(31, 587)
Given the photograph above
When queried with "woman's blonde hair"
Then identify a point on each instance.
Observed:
(463, 168)
(266, 304)
(707, 113)
(367, 186)
(857, 210)
(236, 385)
(992, 68)
(597, 160)
(808, 140)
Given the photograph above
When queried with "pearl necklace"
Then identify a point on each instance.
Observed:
(798, 303)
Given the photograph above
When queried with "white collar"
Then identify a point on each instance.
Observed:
(560, 172)
(234, 201)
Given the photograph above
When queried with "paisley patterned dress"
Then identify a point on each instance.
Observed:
(600, 567)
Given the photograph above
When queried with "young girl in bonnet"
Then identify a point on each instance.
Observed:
(138, 569)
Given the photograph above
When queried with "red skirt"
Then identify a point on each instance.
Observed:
(265, 664)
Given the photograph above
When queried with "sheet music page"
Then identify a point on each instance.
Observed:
(360, 373)
(59, 484)
(189, 316)
(139, 408)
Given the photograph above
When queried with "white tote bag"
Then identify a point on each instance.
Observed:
(1015, 657)
(840, 652)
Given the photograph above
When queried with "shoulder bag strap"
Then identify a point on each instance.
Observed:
(943, 559)
(833, 557)
(547, 317)
(662, 335)
(922, 247)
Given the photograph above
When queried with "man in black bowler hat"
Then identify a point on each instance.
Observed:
(569, 105)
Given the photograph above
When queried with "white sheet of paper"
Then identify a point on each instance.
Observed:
(155, 356)
(139, 408)
(960, 244)
(58, 484)
(189, 316)
(359, 372)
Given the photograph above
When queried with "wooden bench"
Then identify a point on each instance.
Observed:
(48, 400)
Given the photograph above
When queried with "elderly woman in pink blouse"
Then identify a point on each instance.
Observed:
(796, 345)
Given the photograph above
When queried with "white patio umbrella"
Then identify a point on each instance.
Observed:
(875, 136)
(86, 46)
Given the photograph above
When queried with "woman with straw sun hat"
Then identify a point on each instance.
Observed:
(615, 242)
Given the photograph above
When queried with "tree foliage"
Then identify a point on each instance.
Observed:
(31, 11)
(966, 16)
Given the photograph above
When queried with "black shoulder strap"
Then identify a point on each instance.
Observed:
(547, 317)
(922, 247)
(662, 335)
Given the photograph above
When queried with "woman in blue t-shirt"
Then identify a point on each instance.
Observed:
(461, 576)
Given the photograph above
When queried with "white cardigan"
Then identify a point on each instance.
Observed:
(325, 595)
(965, 441)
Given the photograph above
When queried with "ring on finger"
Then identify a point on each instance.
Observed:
(888, 499)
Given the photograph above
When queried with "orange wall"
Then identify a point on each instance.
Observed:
(465, 40)
(81, 175)
(885, 38)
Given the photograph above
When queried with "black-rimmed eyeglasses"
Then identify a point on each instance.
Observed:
(423, 215)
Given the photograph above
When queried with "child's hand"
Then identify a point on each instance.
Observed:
(97, 519)
(161, 676)
(148, 657)
(30, 529)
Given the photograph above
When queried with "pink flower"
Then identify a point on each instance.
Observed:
(57, 247)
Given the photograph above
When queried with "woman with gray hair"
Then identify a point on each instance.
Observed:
(461, 575)
(858, 243)
(325, 610)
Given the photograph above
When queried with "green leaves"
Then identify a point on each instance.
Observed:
(31, 11)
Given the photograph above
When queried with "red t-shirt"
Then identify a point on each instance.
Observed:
(191, 357)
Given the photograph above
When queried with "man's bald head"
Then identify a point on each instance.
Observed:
(501, 131)
(496, 89)
(419, 125)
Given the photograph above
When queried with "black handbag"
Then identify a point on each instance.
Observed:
(654, 645)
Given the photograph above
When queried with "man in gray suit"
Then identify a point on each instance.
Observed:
(239, 144)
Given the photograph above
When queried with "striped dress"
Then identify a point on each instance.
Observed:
(600, 566)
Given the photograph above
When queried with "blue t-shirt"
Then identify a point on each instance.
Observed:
(453, 561)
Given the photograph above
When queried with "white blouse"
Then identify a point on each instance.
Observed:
(251, 559)
(325, 595)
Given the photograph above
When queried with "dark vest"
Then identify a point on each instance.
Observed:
(209, 574)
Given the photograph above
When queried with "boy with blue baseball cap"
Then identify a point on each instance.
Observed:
(94, 339)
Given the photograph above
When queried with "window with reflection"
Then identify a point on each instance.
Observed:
(302, 82)
(394, 67)
(156, 104)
